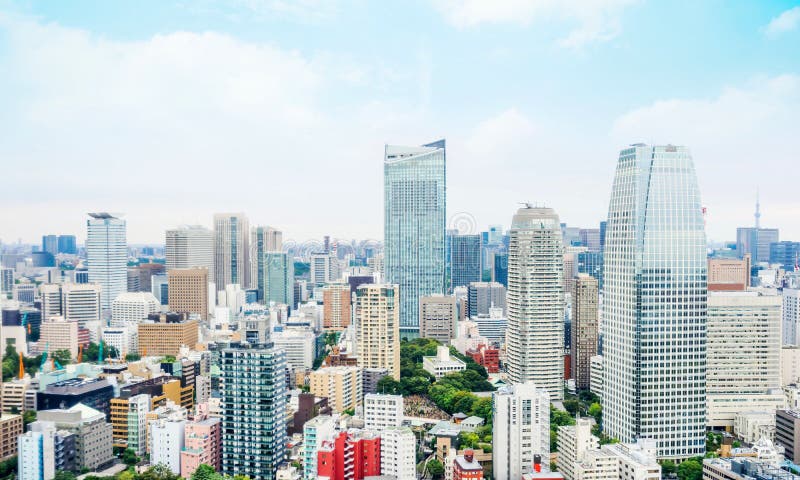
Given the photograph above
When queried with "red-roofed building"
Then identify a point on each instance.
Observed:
(465, 467)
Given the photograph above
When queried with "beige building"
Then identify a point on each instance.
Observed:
(93, 435)
(56, 333)
(13, 395)
(165, 337)
(10, 429)
(80, 302)
(728, 274)
(437, 318)
(341, 385)
(378, 327)
(188, 290)
(337, 306)
(584, 331)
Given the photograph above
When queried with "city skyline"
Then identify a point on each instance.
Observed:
(505, 87)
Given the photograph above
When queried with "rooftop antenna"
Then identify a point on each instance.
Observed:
(758, 210)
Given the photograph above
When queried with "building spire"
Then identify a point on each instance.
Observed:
(758, 210)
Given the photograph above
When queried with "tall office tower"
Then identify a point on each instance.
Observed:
(67, 244)
(500, 268)
(50, 244)
(521, 428)
(50, 294)
(107, 256)
(190, 246)
(437, 318)
(6, 280)
(756, 242)
(336, 306)
(132, 280)
(729, 274)
(253, 410)
(481, 296)
(585, 319)
(535, 301)
(743, 355)
(187, 290)
(378, 327)
(130, 309)
(231, 249)
(791, 316)
(655, 295)
(465, 260)
(415, 198)
(786, 254)
(323, 268)
(146, 272)
(590, 238)
(278, 278)
(262, 240)
(81, 302)
(591, 263)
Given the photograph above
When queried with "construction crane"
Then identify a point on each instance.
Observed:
(80, 353)
(21, 366)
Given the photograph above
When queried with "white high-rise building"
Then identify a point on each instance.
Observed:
(382, 411)
(521, 429)
(81, 302)
(124, 339)
(378, 327)
(35, 456)
(535, 334)
(131, 308)
(315, 432)
(107, 256)
(398, 453)
(299, 345)
(167, 441)
(791, 316)
(573, 443)
(324, 268)
(743, 350)
(51, 299)
(190, 246)
(231, 249)
(654, 303)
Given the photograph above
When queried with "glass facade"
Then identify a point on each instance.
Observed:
(654, 303)
(414, 225)
(465, 260)
(254, 410)
(107, 256)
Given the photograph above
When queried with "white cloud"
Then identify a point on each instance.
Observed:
(785, 22)
(593, 20)
(741, 140)
(174, 127)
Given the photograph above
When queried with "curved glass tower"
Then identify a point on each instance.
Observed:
(654, 303)
(535, 301)
(414, 226)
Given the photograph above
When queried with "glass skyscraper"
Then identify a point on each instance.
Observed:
(278, 280)
(654, 303)
(535, 301)
(465, 260)
(254, 410)
(107, 256)
(231, 250)
(415, 200)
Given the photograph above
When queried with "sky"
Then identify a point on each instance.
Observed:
(169, 111)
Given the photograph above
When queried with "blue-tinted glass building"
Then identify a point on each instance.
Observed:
(415, 202)
(465, 260)
(67, 244)
(785, 253)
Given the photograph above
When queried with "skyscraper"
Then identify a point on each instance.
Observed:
(254, 410)
(231, 250)
(262, 240)
(583, 345)
(415, 198)
(190, 246)
(377, 328)
(278, 278)
(107, 256)
(50, 244)
(66, 244)
(654, 303)
(465, 260)
(535, 301)
(521, 428)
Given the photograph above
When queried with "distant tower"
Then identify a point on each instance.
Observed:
(758, 211)
(107, 256)
(231, 250)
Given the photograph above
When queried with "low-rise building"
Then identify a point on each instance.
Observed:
(93, 437)
(753, 425)
(342, 386)
(442, 363)
(10, 429)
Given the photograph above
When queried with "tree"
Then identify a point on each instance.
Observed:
(159, 472)
(435, 468)
(132, 357)
(668, 467)
(62, 357)
(29, 416)
(205, 472)
(389, 385)
(691, 469)
(596, 411)
(64, 475)
(572, 406)
(129, 457)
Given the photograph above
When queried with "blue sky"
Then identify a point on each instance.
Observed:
(170, 111)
